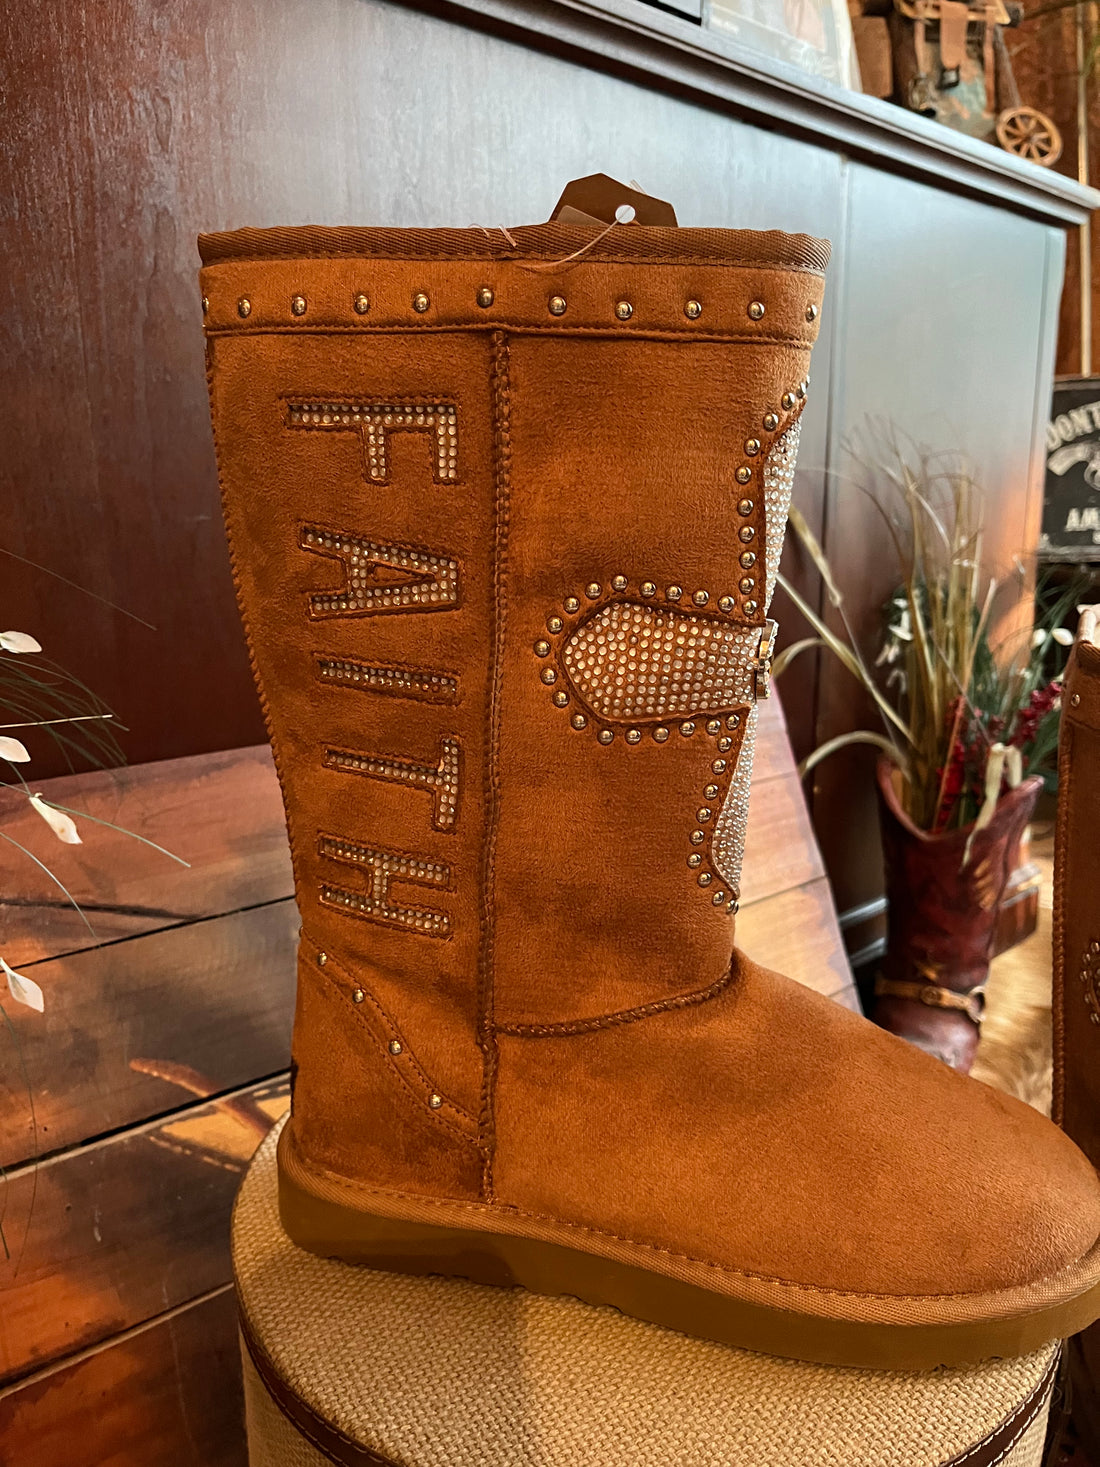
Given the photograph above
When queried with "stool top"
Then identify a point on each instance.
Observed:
(429, 1371)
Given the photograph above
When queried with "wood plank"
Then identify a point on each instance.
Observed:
(168, 1395)
(110, 1235)
(215, 996)
(221, 812)
(780, 847)
(796, 933)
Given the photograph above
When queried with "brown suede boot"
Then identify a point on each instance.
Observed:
(1077, 962)
(505, 527)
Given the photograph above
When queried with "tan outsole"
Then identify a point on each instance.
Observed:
(320, 1215)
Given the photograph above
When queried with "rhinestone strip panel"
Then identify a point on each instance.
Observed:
(778, 483)
(440, 780)
(383, 867)
(727, 847)
(376, 420)
(632, 663)
(421, 683)
(1090, 978)
(420, 578)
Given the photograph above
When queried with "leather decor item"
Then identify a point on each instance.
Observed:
(505, 526)
(1077, 963)
(945, 893)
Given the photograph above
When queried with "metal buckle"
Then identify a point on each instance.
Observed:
(761, 664)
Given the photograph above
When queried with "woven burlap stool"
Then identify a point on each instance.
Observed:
(342, 1364)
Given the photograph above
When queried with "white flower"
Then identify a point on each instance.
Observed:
(1063, 637)
(60, 823)
(13, 751)
(18, 642)
(23, 990)
(1038, 637)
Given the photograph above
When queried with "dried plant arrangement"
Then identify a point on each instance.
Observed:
(968, 733)
(962, 717)
(38, 695)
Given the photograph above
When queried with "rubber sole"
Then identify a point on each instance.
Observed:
(321, 1215)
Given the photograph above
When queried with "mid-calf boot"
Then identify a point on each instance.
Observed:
(505, 513)
(1077, 962)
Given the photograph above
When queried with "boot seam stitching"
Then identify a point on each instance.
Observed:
(501, 399)
(618, 1016)
(518, 1212)
(326, 980)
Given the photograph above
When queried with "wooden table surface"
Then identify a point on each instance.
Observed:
(162, 1058)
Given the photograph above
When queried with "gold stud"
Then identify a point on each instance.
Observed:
(720, 766)
(396, 1046)
(297, 305)
(746, 532)
(800, 391)
(360, 304)
(592, 590)
(693, 310)
(710, 792)
(421, 301)
(746, 584)
(687, 728)
(674, 593)
(660, 735)
(542, 649)
(788, 400)
(714, 725)
(745, 507)
(725, 744)
(744, 474)
(557, 305)
(548, 675)
(648, 588)
(606, 735)
(752, 447)
(756, 310)
(1075, 701)
(618, 583)
(694, 860)
(435, 1101)
(322, 959)
(733, 721)
(811, 313)
(485, 297)
(579, 721)
(357, 995)
(750, 608)
(244, 306)
(633, 735)
(561, 698)
(748, 559)
(703, 814)
(771, 422)
(718, 898)
(701, 598)
(725, 603)
(571, 604)
(697, 837)
(205, 304)
(624, 310)
(705, 878)
(554, 623)
(734, 906)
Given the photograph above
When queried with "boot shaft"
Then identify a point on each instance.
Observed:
(505, 532)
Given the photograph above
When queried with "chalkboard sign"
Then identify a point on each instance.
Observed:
(1071, 500)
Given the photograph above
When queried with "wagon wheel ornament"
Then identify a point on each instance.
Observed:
(1029, 134)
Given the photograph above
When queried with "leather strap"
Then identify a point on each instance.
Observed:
(970, 1002)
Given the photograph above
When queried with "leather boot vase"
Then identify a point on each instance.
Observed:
(505, 526)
